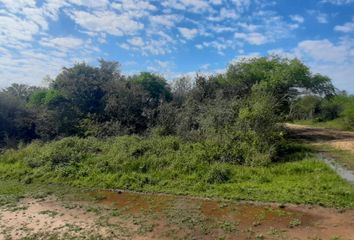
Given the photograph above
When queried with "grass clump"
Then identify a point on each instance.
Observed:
(171, 165)
(337, 124)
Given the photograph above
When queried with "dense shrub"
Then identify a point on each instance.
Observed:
(219, 174)
(337, 111)
(232, 117)
(63, 152)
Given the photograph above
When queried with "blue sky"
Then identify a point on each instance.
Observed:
(173, 37)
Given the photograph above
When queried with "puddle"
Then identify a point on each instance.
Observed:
(346, 174)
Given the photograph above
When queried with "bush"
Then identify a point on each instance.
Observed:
(64, 152)
(219, 174)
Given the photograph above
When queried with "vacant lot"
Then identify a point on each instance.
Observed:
(301, 198)
(124, 215)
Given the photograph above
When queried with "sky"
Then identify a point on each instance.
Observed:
(173, 37)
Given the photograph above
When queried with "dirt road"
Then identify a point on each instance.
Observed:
(342, 140)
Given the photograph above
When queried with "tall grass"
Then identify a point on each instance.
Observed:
(169, 164)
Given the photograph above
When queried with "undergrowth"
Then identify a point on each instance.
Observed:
(171, 165)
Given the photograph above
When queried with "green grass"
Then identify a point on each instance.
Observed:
(337, 124)
(170, 165)
(344, 157)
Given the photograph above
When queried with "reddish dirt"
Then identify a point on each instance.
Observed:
(267, 221)
(146, 216)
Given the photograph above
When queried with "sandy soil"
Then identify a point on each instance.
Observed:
(145, 216)
(343, 140)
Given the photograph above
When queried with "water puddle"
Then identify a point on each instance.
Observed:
(346, 174)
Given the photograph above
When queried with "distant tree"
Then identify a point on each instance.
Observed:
(181, 88)
(126, 102)
(156, 86)
(16, 121)
(85, 86)
(306, 107)
(283, 78)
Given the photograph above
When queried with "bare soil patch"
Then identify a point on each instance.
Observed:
(343, 140)
(146, 216)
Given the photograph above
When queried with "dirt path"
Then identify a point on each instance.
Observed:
(144, 216)
(342, 140)
(335, 148)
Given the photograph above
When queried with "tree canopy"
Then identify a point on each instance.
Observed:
(83, 100)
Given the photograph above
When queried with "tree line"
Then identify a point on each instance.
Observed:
(237, 112)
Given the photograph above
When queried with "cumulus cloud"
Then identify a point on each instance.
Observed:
(297, 18)
(188, 33)
(324, 50)
(91, 3)
(346, 28)
(334, 59)
(168, 20)
(253, 38)
(187, 5)
(107, 22)
(136, 41)
(62, 42)
(150, 29)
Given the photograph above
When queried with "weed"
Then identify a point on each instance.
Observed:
(49, 213)
(229, 227)
(294, 222)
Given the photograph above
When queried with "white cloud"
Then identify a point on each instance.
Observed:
(165, 20)
(31, 66)
(346, 28)
(14, 31)
(136, 41)
(253, 38)
(18, 4)
(91, 3)
(322, 18)
(242, 4)
(216, 2)
(144, 28)
(188, 33)
(187, 5)
(324, 50)
(338, 2)
(134, 8)
(329, 58)
(62, 42)
(297, 18)
(221, 44)
(107, 22)
(245, 56)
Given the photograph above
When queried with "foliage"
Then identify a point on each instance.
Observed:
(172, 165)
(236, 115)
(336, 111)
